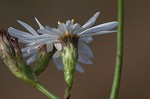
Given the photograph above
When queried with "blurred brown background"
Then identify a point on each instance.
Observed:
(96, 82)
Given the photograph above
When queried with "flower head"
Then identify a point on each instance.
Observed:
(66, 33)
(68, 39)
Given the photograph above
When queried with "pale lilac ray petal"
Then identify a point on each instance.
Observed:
(25, 50)
(101, 27)
(17, 33)
(75, 27)
(39, 42)
(48, 28)
(62, 27)
(40, 25)
(99, 33)
(24, 41)
(29, 54)
(29, 28)
(58, 46)
(91, 21)
(87, 39)
(44, 31)
(58, 62)
(69, 25)
(44, 36)
(54, 31)
(88, 24)
(84, 60)
(31, 48)
(31, 59)
(79, 68)
(57, 54)
(49, 46)
(50, 32)
(85, 49)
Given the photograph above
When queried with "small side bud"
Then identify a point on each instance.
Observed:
(42, 60)
(11, 54)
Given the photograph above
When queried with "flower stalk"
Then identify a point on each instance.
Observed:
(45, 91)
(119, 56)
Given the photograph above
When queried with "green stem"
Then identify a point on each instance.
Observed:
(119, 57)
(67, 94)
(42, 89)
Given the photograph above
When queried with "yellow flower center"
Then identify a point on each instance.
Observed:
(67, 34)
(59, 22)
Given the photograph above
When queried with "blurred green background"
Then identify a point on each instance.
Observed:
(96, 82)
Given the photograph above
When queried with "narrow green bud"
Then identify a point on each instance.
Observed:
(69, 58)
(11, 54)
(43, 58)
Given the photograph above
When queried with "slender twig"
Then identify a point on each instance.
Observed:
(119, 57)
(45, 91)
(67, 94)
(37, 85)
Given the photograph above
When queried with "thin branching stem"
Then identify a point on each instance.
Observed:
(119, 56)
(45, 91)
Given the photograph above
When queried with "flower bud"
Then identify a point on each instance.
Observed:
(42, 60)
(69, 58)
(11, 54)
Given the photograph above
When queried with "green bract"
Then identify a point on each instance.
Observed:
(42, 60)
(69, 59)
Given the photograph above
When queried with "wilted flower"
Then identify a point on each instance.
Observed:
(11, 54)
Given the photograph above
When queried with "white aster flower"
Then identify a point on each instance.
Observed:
(69, 31)
(80, 35)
